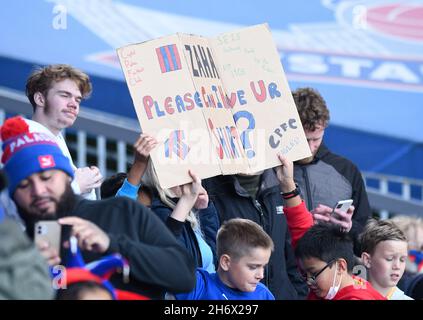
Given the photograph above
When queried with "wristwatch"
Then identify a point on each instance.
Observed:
(291, 194)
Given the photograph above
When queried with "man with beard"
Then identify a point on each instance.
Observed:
(55, 93)
(39, 182)
(325, 178)
(19, 256)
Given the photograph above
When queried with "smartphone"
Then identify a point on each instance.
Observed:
(342, 205)
(50, 231)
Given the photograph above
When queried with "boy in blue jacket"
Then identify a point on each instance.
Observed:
(243, 249)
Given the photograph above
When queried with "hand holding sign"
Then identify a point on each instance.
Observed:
(233, 91)
(189, 197)
(142, 148)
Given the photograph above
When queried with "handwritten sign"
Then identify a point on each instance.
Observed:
(216, 105)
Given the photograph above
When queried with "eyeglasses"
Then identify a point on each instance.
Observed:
(312, 278)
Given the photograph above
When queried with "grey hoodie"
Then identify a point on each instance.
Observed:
(23, 271)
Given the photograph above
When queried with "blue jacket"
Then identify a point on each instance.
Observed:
(210, 287)
(233, 201)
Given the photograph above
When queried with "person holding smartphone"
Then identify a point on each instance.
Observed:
(326, 178)
(299, 219)
(40, 184)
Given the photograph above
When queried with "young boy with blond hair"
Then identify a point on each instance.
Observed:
(384, 253)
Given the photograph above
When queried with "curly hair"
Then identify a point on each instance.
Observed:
(311, 107)
(41, 80)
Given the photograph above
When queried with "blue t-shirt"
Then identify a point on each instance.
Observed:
(1, 213)
(210, 287)
(206, 253)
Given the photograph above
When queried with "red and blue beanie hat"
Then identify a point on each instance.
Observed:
(98, 271)
(26, 153)
(416, 256)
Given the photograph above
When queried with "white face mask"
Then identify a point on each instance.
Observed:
(333, 290)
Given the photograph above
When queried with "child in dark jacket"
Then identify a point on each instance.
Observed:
(185, 209)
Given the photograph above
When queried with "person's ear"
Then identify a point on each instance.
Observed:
(342, 266)
(366, 258)
(225, 262)
(39, 99)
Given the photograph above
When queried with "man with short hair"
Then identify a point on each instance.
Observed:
(326, 178)
(55, 93)
(39, 182)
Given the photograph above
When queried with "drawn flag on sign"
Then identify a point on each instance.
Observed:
(169, 59)
(175, 144)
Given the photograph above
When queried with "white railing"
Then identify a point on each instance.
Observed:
(97, 138)
(406, 202)
(110, 155)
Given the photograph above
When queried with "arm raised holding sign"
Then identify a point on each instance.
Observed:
(142, 149)
(131, 186)
(298, 217)
(185, 209)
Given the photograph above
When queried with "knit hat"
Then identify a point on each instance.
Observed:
(26, 153)
(98, 271)
(416, 257)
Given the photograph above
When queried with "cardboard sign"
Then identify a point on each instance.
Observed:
(216, 105)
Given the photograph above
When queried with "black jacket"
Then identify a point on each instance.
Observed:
(232, 201)
(330, 178)
(158, 263)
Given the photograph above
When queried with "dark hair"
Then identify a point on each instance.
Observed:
(3, 180)
(415, 290)
(311, 107)
(111, 185)
(326, 242)
(377, 231)
(237, 237)
(41, 80)
(74, 291)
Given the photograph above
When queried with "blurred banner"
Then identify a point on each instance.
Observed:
(365, 57)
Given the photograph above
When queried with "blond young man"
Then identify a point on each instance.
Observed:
(55, 93)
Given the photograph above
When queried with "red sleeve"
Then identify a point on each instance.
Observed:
(299, 221)
(312, 296)
(128, 295)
